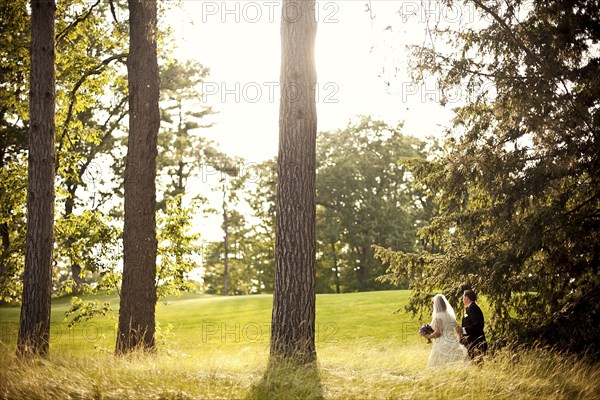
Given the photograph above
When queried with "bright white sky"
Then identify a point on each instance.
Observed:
(356, 58)
(239, 41)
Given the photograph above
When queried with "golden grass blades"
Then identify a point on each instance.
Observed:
(358, 371)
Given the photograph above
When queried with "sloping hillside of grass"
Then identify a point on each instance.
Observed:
(199, 323)
(215, 347)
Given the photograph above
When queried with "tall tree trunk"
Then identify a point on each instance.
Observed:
(336, 268)
(4, 228)
(69, 206)
(293, 323)
(362, 272)
(34, 329)
(138, 291)
(225, 244)
(180, 188)
(5, 235)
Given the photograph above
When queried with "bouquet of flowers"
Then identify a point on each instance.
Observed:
(426, 330)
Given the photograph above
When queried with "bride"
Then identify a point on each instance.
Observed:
(446, 334)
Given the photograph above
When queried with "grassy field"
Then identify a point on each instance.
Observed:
(215, 347)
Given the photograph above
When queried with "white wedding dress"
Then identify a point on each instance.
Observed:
(446, 349)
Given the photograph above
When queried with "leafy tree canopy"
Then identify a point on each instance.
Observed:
(518, 184)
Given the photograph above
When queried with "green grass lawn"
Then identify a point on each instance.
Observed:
(196, 323)
(217, 347)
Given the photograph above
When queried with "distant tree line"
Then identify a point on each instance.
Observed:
(365, 196)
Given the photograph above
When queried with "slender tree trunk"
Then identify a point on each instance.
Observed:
(293, 323)
(34, 329)
(225, 245)
(138, 292)
(69, 206)
(361, 272)
(336, 268)
(4, 228)
(180, 168)
(5, 235)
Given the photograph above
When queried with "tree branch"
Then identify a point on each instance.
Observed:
(107, 134)
(540, 63)
(96, 71)
(113, 11)
(61, 35)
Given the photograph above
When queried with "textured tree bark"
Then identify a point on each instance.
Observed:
(293, 323)
(138, 291)
(34, 328)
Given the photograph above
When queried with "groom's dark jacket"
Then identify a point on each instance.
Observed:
(473, 324)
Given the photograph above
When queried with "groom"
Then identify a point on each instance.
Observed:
(472, 327)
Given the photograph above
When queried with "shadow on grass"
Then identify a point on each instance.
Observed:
(287, 380)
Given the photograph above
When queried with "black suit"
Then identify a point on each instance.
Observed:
(473, 323)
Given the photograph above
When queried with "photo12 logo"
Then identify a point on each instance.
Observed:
(88, 332)
(254, 332)
(267, 11)
(436, 11)
(255, 92)
(432, 92)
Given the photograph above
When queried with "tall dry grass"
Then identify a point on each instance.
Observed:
(360, 370)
